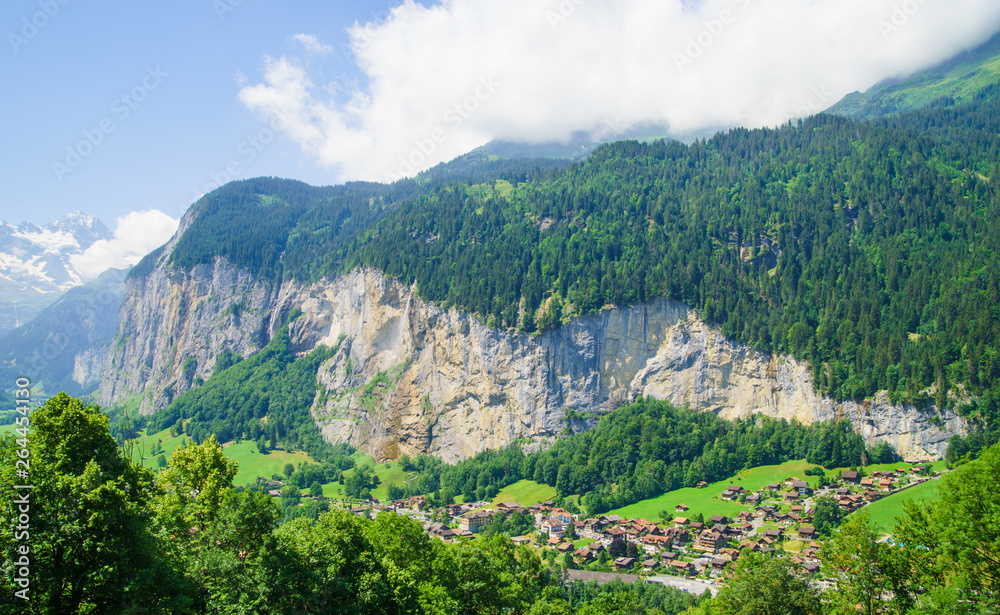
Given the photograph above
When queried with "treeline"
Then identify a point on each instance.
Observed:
(105, 537)
(643, 450)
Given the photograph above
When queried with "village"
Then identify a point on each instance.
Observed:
(685, 544)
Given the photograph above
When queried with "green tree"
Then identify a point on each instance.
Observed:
(316, 490)
(91, 548)
(289, 470)
(762, 585)
(872, 576)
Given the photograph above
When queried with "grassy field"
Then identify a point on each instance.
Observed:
(7, 429)
(884, 512)
(391, 473)
(252, 463)
(526, 493)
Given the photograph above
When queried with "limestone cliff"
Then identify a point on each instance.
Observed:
(411, 377)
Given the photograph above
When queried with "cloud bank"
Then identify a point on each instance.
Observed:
(446, 78)
(137, 234)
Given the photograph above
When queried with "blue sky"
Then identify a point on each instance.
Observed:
(74, 71)
(376, 90)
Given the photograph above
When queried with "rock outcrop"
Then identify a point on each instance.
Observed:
(411, 377)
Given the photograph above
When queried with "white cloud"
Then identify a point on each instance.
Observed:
(137, 233)
(447, 78)
(312, 44)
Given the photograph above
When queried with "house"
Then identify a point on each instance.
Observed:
(474, 522)
(417, 502)
(681, 521)
(554, 541)
(509, 507)
(714, 519)
(719, 564)
(710, 541)
(564, 547)
(774, 535)
(681, 508)
(583, 556)
(753, 498)
(650, 564)
(697, 526)
(701, 484)
(680, 566)
(802, 487)
(851, 477)
(811, 567)
(552, 527)
(729, 495)
(885, 484)
(624, 563)
(669, 556)
(806, 532)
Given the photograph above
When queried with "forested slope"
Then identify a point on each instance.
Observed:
(869, 249)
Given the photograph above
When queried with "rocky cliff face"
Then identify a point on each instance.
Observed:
(411, 377)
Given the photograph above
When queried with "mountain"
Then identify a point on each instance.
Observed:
(837, 269)
(64, 347)
(35, 265)
(954, 81)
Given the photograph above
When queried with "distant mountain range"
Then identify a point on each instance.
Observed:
(35, 264)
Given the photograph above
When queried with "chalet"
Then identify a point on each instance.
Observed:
(697, 526)
(871, 496)
(554, 541)
(791, 495)
(867, 482)
(654, 544)
(773, 534)
(701, 484)
(710, 541)
(802, 487)
(718, 519)
(521, 540)
(719, 564)
(729, 495)
(564, 547)
(474, 522)
(417, 502)
(624, 563)
(720, 528)
(807, 532)
(753, 498)
(681, 508)
(611, 519)
(440, 530)
(773, 486)
(851, 477)
(679, 536)
(583, 556)
(681, 521)
(681, 566)
(510, 507)
(811, 567)
(650, 564)
(593, 525)
(885, 484)
(669, 556)
(730, 554)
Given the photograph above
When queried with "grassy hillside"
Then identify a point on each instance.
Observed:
(526, 493)
(958, 79)
(253, 464)
(884, 512)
